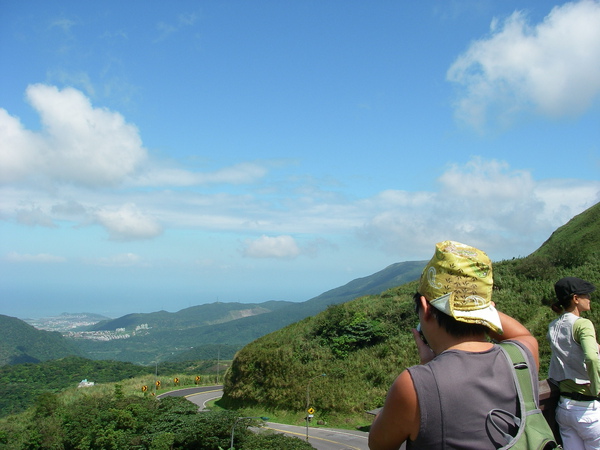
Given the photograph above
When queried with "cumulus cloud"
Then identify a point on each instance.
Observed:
(128, 223)
(78, 143)
(552, 68)
(91, 147)
(484, 203)
(15, 257)
(282, 247)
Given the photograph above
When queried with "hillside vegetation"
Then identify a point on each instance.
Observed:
(362, 345)
(21, 384)
(22, 343)
(99, 420)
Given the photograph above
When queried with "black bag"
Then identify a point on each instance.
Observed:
(533, 432)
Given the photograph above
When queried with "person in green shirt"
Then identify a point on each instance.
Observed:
(575, 365)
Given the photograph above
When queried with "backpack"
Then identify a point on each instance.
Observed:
(533, 432)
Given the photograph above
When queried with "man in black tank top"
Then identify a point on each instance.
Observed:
(443, 403)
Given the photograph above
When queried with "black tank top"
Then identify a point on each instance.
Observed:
(456, 390)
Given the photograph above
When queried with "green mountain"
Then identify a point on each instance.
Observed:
(219, 327)
(193, 317)
(22, 343)
(363, 344)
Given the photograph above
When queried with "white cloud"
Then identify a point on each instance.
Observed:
(242, 173)
(483, 203)
(35, 216)
(128, 223)
(78, 144)
(39, 258)
(19, 149)
(122, 260)
(69, 209)
(92, 147)
(272, 247)
(552, 67)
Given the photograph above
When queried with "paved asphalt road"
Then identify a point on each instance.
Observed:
(319, 438)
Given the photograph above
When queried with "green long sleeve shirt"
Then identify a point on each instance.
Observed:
(585, 335)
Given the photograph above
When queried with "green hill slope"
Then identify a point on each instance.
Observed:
(225, 327)
(22, 343)
(195, 316)
(580, 235)
(362, 345)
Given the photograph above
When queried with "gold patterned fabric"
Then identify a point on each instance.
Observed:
(458, 281)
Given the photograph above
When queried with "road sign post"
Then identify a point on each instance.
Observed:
(309, 414)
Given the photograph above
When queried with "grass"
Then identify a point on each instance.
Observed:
(298, 418)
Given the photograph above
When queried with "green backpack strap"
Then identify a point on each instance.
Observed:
(533, 430)
(521, 368)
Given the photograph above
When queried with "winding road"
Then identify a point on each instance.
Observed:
(320, 438)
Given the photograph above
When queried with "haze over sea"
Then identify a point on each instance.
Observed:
(161, 155)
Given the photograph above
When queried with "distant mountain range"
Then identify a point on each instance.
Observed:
(215, 330)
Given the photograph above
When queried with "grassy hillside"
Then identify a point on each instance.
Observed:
(362, 345)
(578, 238)
(22, 343)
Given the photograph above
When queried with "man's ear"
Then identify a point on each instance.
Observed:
(425, 307)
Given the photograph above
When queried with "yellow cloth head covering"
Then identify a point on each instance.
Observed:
(458, 281)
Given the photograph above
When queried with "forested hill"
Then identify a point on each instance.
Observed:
(226, 327)
(362, 345)
(22, 343)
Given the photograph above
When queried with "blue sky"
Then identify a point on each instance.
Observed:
(159, 155)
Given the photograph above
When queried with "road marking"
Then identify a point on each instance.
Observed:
(346, 446)
(200, 393)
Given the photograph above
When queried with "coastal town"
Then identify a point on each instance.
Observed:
(76, 326)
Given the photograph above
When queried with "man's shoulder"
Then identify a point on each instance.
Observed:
(403, 390)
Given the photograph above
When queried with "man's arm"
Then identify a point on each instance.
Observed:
(399, 419)
(515, 331)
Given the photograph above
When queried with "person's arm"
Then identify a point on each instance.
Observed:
(400, 417)
(585, 334)
(515, 331)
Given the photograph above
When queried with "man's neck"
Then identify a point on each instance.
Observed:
(467, 344)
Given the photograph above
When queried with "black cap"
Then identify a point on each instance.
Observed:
(565, 287)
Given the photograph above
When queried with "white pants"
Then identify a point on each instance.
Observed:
(579, 424)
